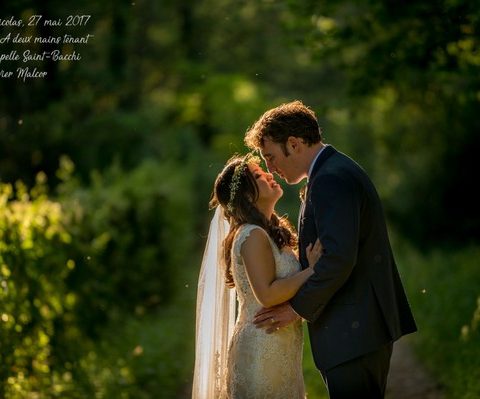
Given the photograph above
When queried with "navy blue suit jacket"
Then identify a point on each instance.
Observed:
(354, 302)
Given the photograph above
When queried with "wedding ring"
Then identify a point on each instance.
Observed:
(278, 328)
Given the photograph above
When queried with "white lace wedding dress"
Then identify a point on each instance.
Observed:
(260, 365)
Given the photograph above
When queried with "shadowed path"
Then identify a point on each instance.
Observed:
(408, 379)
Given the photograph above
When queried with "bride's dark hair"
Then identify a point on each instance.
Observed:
(240, 209)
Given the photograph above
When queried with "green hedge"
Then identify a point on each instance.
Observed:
(74, 265)
(129, 232)
(34, 265)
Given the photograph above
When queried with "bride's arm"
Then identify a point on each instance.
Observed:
(259, 262)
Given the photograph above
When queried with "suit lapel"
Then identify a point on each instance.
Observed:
(327, 152)
(303, 240)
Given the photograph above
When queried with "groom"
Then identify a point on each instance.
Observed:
(355, 304)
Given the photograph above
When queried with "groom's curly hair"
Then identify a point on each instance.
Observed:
(243, 211)
(279, 123)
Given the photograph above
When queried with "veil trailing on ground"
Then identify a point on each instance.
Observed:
(215, 315)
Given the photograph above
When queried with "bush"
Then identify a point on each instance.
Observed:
(71, 267)
(34, 265)
(129, 231)
(149, 356)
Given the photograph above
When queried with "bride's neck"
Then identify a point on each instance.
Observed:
(266, 209)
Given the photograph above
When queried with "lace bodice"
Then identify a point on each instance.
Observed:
(286, 264)
(261, 365)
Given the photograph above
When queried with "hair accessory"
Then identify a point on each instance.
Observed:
(237, 174)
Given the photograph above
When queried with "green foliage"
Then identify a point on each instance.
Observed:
(314, 384)
(146, 356)
(471, 330)
(72, 266)
(395, 85)
(34, 265)
(443, 290)
(122, 229)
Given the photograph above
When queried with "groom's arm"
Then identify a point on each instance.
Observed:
(336, 205)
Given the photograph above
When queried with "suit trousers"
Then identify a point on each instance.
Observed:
(364, 377)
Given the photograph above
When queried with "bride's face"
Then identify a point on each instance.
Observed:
(269, 191)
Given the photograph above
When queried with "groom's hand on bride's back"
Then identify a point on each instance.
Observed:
(274, 318)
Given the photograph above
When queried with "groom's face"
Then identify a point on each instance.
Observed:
(281, 161)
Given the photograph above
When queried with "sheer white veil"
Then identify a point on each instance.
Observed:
(215, 315)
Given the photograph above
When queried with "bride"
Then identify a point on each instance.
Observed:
(256, 251)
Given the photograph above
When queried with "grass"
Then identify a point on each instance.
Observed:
(444, 291)
(313, 379)
(149, 356)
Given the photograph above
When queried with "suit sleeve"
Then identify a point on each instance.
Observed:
(336, 207)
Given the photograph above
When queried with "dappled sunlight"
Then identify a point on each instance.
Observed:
(323, 24)
(244, 91)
